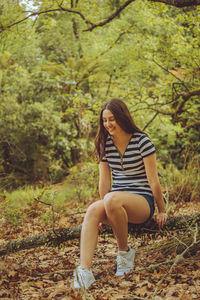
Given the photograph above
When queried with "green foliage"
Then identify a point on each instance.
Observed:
(15, 206)
(182, 185)
(54, 77)
(52, 202)
(84, 178)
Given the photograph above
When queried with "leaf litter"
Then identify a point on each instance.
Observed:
(47, 272)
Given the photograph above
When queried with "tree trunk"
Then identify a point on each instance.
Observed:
(55, 238)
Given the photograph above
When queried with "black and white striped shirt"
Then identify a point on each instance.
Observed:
(128, 171)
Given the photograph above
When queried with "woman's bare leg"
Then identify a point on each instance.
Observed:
(124, 207)
(117, 209)
(89, 233)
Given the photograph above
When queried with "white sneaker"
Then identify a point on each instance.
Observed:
(125, 261)
(83, 278)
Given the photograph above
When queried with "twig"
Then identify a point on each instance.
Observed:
(115, 42)
(166, 70)
(76, 12)
(154, 266)
(109, 84)
(150, 121)
(39, 197)
(180, 242)
(42, 201)
(52, 209)
(53, 215)
(177, 259)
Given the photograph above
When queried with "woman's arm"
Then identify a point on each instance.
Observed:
(104, 179)
(152, 176)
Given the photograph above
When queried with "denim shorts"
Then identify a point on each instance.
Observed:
(150, 200)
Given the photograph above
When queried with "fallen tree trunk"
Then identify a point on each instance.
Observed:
(55, 238)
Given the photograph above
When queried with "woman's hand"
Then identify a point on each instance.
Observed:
(100, 227)
(161, 219)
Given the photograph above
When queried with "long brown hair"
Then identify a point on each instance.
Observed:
(123, 119)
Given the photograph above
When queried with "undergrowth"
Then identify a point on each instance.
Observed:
(79, 187)
(184, 184)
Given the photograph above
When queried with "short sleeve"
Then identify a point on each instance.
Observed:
(104, 159)
(146, 146)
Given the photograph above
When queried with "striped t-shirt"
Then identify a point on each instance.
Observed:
(128, 171)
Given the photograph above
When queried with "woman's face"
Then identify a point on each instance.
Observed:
(110, 123)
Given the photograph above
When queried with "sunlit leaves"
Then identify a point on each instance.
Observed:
(148, 56)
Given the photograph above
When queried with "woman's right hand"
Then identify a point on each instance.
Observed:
(100, 227)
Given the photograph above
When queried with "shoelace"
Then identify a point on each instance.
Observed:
(84, 277)
(121, 261)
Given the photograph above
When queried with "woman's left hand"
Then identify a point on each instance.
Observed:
(161, 219)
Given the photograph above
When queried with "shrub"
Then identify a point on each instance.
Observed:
(183, 184)
(84, 177)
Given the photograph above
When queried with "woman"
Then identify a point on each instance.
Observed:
(128, 153)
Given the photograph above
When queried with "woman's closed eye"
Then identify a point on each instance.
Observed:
(109, 120)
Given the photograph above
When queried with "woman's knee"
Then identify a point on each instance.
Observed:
(94, 212)
(112, 203)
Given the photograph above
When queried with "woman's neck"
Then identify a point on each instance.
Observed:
(121, 137)
(121, 142)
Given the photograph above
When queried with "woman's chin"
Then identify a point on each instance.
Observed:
(111, 132)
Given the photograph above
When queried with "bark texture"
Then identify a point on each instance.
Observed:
(57, 237)
(179, 3)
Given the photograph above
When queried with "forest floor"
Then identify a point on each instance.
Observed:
(47, 272)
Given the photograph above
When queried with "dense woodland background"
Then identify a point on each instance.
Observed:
(57, 69)
(60, 61)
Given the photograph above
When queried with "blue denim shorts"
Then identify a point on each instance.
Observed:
(150, 200)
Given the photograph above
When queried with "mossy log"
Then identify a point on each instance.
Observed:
(57, 237)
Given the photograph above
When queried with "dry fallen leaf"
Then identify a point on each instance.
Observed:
(47, 272)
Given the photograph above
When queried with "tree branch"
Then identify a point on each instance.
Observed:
(168, 71)
(185, 97)
(190, 94)
(176, 3)
(150, 121)
(179, 109)
(177, 259)
(26, 18)
(114, 43)
(51, 238)
(46, 12)
(78, 13)
(174, 262)
(111, 17)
